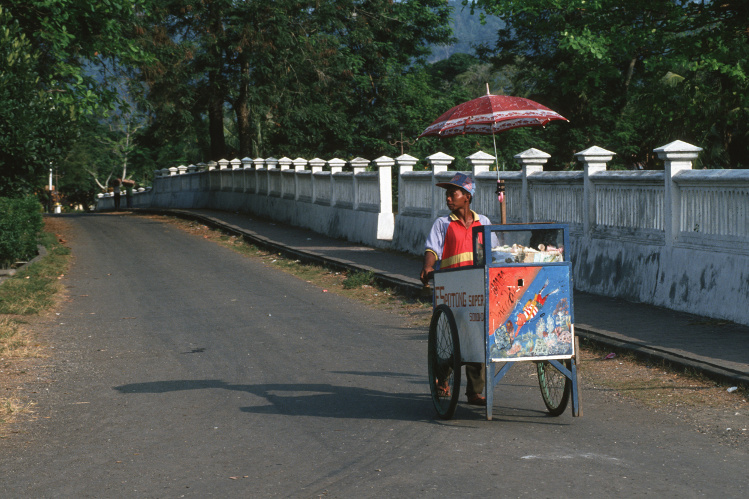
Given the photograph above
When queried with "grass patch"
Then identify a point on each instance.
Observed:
(358, 279)
(33, 289)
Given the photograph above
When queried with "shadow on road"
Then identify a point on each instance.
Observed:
(330, 401)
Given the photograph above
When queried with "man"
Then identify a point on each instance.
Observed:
(450, 242)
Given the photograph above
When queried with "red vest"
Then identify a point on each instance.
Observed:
(458, 248)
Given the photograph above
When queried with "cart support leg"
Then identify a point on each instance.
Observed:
(577, 408)
(575, 400)
(493, 380)
(489, 387)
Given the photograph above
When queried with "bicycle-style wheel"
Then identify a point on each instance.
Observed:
(555, 386)
(444, 362)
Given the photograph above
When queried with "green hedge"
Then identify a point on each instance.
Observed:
(20, 226)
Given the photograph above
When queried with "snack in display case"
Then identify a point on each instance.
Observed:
(525, 254)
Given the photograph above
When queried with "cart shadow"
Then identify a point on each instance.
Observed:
(344, 402)
(312, 399)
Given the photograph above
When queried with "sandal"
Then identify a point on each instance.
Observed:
(476, 399)
(443, 390)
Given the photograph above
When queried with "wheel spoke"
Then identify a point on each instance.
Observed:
(555, 387)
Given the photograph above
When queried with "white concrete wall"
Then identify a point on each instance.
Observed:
(677, 238)
(354, 205)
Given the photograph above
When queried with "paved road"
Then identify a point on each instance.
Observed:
(188, 370)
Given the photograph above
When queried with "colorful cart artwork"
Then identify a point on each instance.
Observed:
(529, 313)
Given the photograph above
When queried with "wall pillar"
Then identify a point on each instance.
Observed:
(405, 163)
(358, 165)
(316, 165)
(532, 162)
(677, 157)
(439, 163)
(336, 166)
(594, 161)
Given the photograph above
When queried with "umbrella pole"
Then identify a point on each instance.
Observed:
(500, 184)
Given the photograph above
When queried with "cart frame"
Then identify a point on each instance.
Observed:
(500, 312)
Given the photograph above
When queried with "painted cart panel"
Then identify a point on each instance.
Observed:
(463, 291)
(529, 313)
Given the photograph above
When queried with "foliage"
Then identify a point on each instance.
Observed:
(300, 77)
(20, 226)
(633, 75)
(57, 67)
(31, 125)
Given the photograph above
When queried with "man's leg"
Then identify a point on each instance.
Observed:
(475, 382)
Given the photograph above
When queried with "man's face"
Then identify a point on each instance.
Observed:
(457, 198)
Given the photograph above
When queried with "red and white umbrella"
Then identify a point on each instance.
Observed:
(490, 114)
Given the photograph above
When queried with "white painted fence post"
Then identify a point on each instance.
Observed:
(385, 218)
(532, 162)
(212, 175)
(316, 165)
(677, 157)
(223, 164)
(246, 172)
(405, 163)
(284, 164)
(480, 163)
(270, 164)
(594, 161)
(258, 164)
(236, 164)
(300, 164)
(358, 165)
(439, 163)
(336, 166)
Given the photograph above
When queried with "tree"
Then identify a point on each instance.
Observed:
(299, 76)
(57, 69)
(32, 124)
(633, 75)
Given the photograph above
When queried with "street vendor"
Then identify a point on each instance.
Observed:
(450, 245)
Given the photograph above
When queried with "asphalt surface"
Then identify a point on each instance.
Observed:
(718, 349)
(183, 369)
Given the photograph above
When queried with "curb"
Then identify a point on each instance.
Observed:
(646, 352)
(412, 288)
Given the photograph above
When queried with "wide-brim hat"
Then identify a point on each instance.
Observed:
(461, 180)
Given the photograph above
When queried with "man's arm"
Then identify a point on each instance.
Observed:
(430, 258)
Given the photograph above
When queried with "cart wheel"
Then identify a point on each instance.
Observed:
(555, 387)
(444, 362)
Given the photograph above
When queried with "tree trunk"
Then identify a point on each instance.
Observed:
(242, 110)
(216, 117)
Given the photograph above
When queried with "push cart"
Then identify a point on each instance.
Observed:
(513, 304)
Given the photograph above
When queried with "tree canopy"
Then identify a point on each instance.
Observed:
(112, 88)
(632, 75)
(56, 72)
